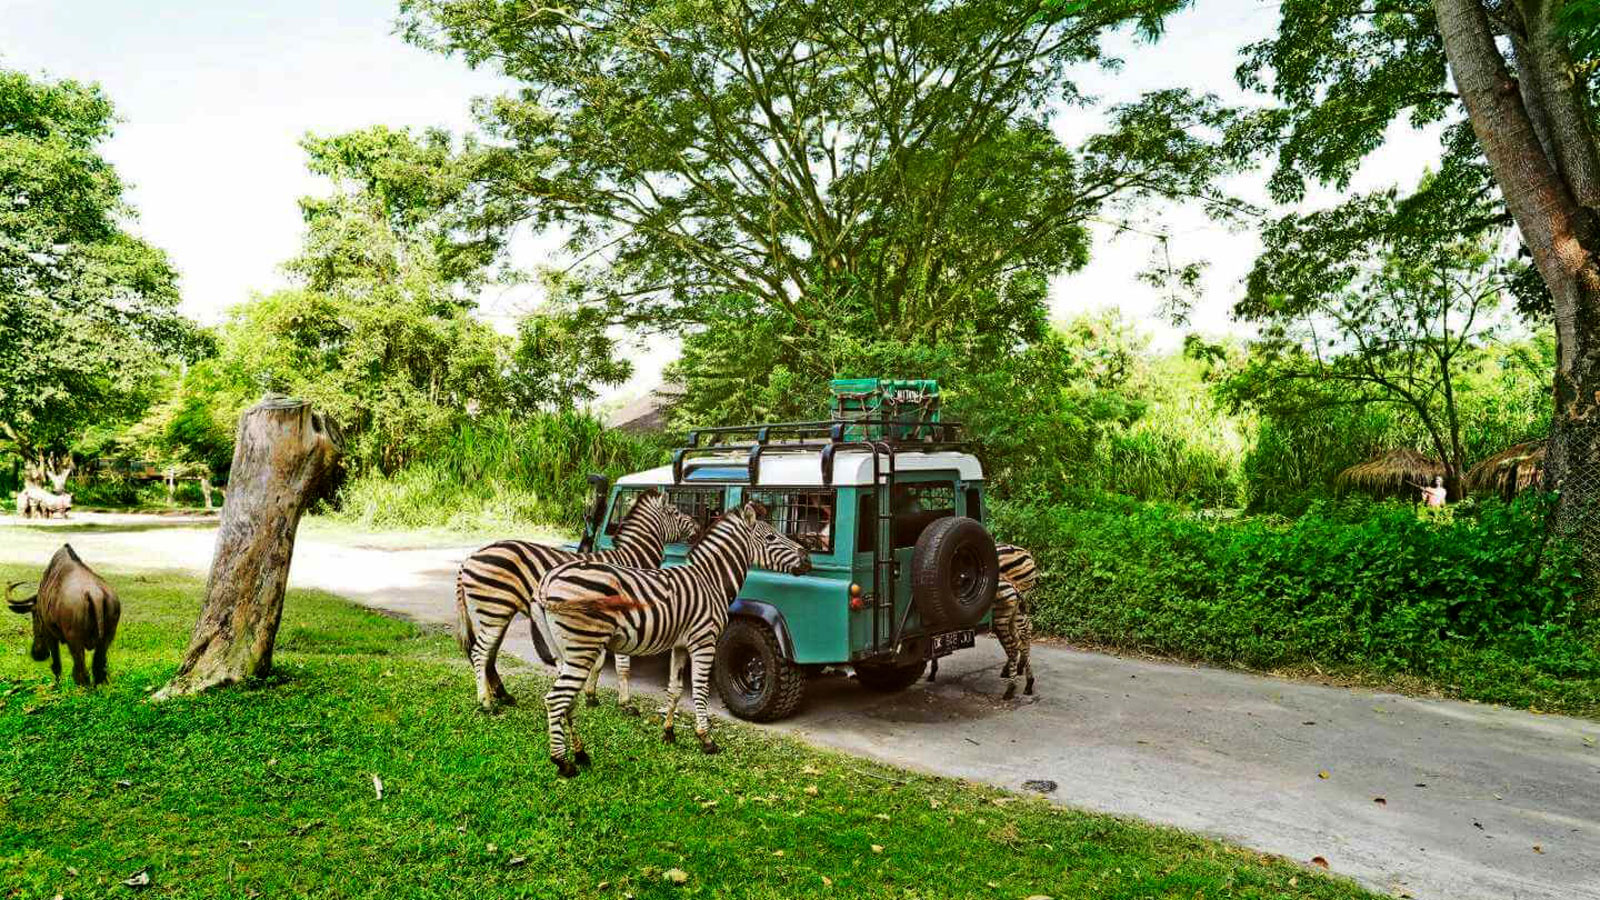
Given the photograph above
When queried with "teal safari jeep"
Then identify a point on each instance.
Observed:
(891, 504)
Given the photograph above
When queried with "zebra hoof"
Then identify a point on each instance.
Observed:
(1005, 671)
(1028, 690)
(709, 747)
(507, 700)
(581, 758)
(1011, 691)
(564, 768)
(629, 710)
(591, 700)
(668, 736)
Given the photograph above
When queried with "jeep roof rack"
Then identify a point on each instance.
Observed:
(826, 437)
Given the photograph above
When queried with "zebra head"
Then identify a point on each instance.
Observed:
(680, 525)
(769, 549)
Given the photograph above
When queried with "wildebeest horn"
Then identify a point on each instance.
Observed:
(23, 606)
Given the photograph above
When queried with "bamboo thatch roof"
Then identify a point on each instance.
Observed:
(1511, 471)
(1391, 473)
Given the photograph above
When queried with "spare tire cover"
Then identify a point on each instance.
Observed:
(954, 573)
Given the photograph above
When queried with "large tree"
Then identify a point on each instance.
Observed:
(377, 330)
(797, 172)
(89, 316)
(1521, 75)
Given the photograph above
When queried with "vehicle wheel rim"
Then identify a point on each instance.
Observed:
(964, 574)
(749, 673)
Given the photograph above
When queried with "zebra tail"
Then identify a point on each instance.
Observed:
(465, 637)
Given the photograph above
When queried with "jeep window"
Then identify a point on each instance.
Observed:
(621, 505)
(916, 506)
(805, 515)
(700, 504)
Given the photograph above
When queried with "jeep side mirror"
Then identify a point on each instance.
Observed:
(600, 488)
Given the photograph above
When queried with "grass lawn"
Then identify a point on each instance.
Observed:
(268, 791)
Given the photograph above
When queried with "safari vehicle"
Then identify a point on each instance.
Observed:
(890, 503)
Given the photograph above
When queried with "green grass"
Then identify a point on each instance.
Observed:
(267, 790)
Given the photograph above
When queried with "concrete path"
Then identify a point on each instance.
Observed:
(1420, 798)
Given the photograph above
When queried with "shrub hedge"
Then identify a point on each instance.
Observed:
(1479, 604)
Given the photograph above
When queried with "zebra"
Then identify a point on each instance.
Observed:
(1018, 569)
(593, 606)
(500, 580)
(1014, 628)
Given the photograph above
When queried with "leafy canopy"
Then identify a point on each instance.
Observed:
(800, 173)
(89, 318)
(377, 331)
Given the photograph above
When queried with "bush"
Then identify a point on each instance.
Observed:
(500, 472)
(1480, 604)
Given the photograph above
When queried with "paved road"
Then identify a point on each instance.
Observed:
(1427, 798)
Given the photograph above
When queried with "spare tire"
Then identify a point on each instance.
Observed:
(954, 573)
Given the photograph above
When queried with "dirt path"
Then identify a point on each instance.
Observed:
(1476, 802)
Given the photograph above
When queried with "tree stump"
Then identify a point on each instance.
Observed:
(281, 454)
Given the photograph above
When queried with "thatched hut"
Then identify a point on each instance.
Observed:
(1392, 473)
(1509, 472)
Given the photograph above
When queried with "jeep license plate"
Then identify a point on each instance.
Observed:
(951, 641)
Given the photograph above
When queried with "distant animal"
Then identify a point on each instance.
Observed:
(593, 606)
(55, 504)
(73, 606)
(500, 580)
(24, 504)
(1014, 629)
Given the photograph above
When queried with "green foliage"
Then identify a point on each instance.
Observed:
(500, 471)
(268, 790)
(378, 333)
(1480, 604)
(564, 350)
(88, 312)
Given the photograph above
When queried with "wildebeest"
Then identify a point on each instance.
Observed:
(73, 606)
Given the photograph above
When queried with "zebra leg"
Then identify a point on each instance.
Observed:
(558, 703)
(674, 692)
(700, 677)
(594, 678)
(624, 694)
(1027, 667)
(485, 645)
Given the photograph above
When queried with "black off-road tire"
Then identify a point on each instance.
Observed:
(889, 678)
(954, 573)
(755, 680)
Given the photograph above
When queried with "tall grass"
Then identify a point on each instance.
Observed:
(1184, 448)
(499, 471)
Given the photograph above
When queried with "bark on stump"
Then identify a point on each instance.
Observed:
(282, 452)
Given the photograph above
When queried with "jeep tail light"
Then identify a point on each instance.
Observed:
(856, 602)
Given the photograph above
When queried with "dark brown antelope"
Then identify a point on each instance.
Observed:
(73, 606)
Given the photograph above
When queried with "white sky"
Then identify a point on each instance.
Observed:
(214, 97)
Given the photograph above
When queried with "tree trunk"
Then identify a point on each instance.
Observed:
(282, 452)
(205, 489)
(1561, 234)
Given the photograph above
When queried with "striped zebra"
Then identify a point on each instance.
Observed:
(501, 580)
(1014, 629)
(593, 606)
(1018, 569)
